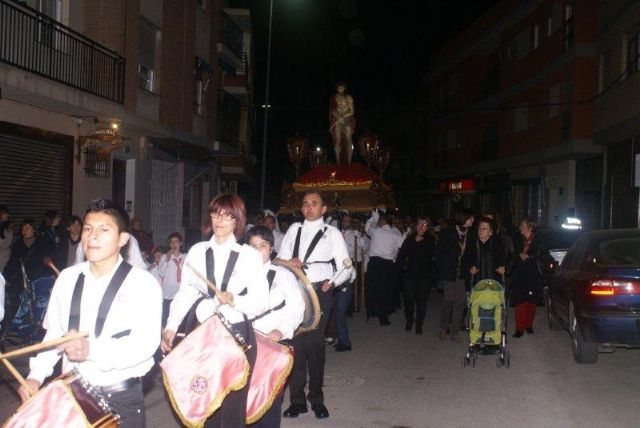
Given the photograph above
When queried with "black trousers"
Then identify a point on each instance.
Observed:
(309, 351)
(379, 287)
(233, 412)
(166, 305)
(129, 405)
(416, 293)
(273, 417)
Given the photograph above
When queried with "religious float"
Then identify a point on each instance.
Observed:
(350, 187)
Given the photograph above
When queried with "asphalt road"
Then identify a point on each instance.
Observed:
(398, 379)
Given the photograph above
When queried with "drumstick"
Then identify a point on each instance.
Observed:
(43, 345)
(21, 380)
(222, 297)
(49, 262)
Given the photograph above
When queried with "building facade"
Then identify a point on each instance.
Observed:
(72, 69)
(512, 114)
(617, 107)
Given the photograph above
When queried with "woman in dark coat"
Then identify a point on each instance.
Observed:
(485, 255)
(527, 277)
(31, 252)
(416, 259)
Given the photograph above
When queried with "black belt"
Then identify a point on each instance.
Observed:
(318, 284)
(120, 386)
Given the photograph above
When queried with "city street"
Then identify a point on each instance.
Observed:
(398, 379)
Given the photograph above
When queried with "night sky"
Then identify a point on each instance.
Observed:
(380, 48)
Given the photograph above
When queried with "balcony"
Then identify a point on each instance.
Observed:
(230, 45)
(32, 41)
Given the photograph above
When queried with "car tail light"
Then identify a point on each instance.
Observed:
(611, 287)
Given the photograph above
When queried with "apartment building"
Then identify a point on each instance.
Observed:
(512, 115)
(617, 110)
(135, 100)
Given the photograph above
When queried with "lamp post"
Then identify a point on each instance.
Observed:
(266, 106)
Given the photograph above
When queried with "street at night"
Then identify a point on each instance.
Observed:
(195, 194)
(394, 378)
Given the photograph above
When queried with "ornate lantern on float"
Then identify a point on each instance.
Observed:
(317, 156)
(297, 149)
(381, 160)
(369, 146)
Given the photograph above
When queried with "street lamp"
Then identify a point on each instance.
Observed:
(266, 106)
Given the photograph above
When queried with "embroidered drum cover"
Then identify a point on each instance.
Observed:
(202, 370)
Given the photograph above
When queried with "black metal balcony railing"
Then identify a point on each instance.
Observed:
(36, 43)
(231, 35)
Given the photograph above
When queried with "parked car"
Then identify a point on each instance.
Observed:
(595, 292)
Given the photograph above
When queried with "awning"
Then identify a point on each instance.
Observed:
(189, 152)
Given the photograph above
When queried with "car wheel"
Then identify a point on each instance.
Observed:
(552, 320)
(583, 352)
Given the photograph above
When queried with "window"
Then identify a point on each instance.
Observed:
(201, 83)
(148, 56)
(453, 84)
(451, 141)
(46, 30)
(521, 118)
(493, 75)
(536, 37)
(604, 71)
(568, 26)
(565, 125)
(553, 21)
(554, 99)
(619, 252)
(633, 51)
(523, 43)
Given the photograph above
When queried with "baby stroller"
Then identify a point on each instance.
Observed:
(26, 326)
(487, 317)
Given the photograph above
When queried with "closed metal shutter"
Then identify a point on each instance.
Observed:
(34, 177)
(163, 200)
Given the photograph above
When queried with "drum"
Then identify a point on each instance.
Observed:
(270, 372)
(201, 371)
(69, 401)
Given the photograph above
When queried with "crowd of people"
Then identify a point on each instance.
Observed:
(401, 260)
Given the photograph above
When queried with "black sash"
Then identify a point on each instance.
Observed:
(107, 299)
(312, 246)
(231, 263)
(270, 275)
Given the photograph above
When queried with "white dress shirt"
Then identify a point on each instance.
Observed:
(2, 285)
(277, 240)
(385, 241)
(137, 307)
(247, 274)
(330, 247)
(354, 239)
(283, 289)
(168, 271)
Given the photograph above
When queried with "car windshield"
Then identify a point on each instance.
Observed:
(619, 252)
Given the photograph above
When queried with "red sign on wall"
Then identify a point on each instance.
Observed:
(461, 185)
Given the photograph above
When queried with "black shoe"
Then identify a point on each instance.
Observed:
(408, 326)
(517, 334)
(385, 321)
(418, 329)
(320, 410)
(340, 347)
(294, 410)
(530, 330)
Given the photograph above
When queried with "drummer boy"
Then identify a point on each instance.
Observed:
(120, 306)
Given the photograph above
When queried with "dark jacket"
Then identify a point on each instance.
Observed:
(32, 257)
(487, 257)
(527, 278)
(416, 258)
(448, 257)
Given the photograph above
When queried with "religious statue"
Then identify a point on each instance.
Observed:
(342, 123)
